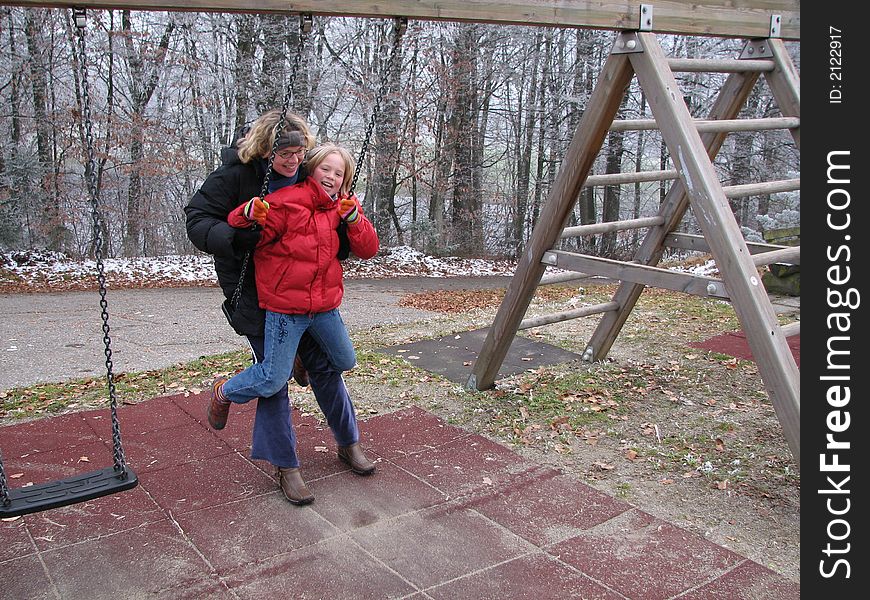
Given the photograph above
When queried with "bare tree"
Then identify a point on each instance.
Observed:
(145, 73)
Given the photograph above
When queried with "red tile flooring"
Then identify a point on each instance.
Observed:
(734, 343)
(449, 514)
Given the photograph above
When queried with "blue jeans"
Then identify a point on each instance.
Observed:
(282, 332)
(274, 438)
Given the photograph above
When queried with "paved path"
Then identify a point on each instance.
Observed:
(58, 336)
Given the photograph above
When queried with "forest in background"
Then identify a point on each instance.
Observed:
(470, 134)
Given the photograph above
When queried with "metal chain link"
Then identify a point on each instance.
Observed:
(304, 28)
(398, 32)
(4, 490)
(98, 223)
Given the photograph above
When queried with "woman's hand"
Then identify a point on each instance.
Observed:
(256, 210)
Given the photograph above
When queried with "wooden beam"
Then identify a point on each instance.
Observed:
(611, 226)
(576, 313)
(676, 281)
(785, 84)
(750, 19)
(706, 125)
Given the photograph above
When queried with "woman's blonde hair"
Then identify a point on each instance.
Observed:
(260, 139)
(317, 156)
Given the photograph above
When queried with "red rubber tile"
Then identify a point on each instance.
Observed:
(171, 447)
(94, 518)
(25, 578)
(643, 557)
(45, 434)
(205, 483)
(253, 530)
(350, 501)
(547, 510)
(132, 564)
(14, 541)
(138, 419)
(747, 582)
(407, 431)
(57, 463)
(734, 343)
(531, 577)
(335, 568)
(439, 544)
(467, 465)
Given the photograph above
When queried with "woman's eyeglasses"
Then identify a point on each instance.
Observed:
(288, 154)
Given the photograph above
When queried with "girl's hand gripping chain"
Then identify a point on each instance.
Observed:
(347, 209)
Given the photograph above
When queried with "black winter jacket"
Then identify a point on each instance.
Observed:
(232, 184)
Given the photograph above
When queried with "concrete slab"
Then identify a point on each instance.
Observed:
(453, 356)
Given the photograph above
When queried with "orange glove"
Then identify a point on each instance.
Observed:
(256, 210)
(347, 210)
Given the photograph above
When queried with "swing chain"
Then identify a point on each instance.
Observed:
(98, 225)
(401, 26)
(304, 29)
(305, 23)
(4, 490)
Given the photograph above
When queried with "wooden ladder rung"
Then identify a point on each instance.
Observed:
(715, 125)
(701, 65)
(761, 188)
(555, 278)
(791, 329)
(611, 226)
(583, 311)
(632, 177)
(790, 255)
(688, 241)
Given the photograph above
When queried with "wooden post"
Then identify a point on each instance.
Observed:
(785, 85)
(749, 298)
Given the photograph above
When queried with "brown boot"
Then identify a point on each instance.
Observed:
(300, 373)
(294, 488)
(353, 455)
(219, 407)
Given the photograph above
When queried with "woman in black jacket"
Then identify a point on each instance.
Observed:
(236, 181)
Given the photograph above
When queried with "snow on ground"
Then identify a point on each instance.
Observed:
(40, 269)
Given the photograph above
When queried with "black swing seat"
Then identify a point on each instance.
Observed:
(79, 488)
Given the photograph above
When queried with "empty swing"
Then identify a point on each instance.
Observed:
(109, 480)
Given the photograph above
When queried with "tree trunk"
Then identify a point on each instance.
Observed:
(143, 83)
(466, 204)
(612, 193)
(244, 66)
(385, 150)
(51, 227)
(525, 141)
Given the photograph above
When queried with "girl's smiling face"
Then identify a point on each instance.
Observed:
(330, 173)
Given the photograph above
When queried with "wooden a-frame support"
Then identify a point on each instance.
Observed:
(692, 152)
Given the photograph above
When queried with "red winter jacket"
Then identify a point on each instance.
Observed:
(296, 262)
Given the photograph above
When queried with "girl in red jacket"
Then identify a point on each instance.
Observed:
(298, 274)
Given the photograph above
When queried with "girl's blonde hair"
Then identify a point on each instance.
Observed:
(317, 156)
(260, 139)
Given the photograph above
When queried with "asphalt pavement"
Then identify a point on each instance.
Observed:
(54, 337)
